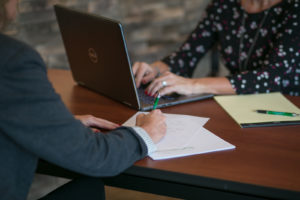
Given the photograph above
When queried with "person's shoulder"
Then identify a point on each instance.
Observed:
(10, 47)
(8, 43)
(13, 50)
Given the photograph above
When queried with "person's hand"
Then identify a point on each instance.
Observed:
(95, 122)
(168, 83)
(153, 123)
(143, 73)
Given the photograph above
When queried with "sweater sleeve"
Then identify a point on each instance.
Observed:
(34, 117)
(280, 70)
(184, 61)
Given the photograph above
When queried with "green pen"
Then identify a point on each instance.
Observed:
(156, 101)
(270, 112)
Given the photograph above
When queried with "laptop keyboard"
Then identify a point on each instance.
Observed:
(146, 99)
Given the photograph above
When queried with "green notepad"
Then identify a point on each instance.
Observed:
(242, 108)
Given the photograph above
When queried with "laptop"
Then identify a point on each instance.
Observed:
(99, 60)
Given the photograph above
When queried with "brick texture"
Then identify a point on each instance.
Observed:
(153, 28)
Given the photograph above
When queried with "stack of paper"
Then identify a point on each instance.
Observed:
(185, 136)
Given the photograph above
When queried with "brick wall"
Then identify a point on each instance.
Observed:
(153, 28)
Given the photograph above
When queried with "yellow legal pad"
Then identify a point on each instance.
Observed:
(242, 109)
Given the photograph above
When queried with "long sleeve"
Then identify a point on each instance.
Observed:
(184, 61)
(270, 43)
(34, 117)
(280, 69)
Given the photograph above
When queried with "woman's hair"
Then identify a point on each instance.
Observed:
(3, 16)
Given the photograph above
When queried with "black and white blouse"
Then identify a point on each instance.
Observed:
(261, 50)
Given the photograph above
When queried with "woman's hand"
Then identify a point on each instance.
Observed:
(144, 73)
(168, 83)
(95, 122)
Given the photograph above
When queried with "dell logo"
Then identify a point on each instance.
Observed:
(93, 55)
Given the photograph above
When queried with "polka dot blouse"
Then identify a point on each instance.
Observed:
(261, 50)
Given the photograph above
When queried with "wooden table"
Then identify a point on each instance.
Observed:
(264, 165)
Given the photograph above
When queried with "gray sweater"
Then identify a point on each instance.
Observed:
(34, 123)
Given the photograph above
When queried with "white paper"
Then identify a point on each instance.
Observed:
(185, 136)
(180, 129)
(203, 142)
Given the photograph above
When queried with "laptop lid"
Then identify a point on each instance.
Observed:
(97, 54)
(99, 60)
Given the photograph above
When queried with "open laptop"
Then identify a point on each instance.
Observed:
(99, 59)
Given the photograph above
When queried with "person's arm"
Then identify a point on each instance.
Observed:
(96, 123)
(189, 86)
(211, 85)
(184, 60)
(35, 118)
(281, 70)
(145, 72)
(278, 72)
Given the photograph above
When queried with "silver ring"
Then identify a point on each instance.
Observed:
(164, 83)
